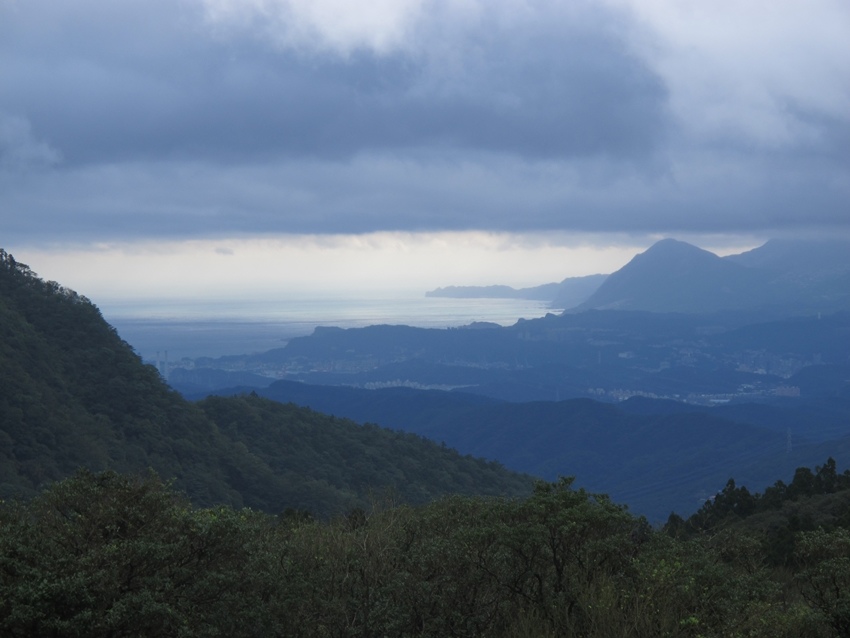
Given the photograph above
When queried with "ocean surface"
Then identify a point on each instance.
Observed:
(192, 329)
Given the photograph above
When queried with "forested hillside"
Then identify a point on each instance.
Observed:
(73, 394)
(377, 552)
(102, 555)
(654, 455)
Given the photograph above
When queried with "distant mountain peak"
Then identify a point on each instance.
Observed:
(675, 276)
(669, 243)
(788, 276)
(666, 248)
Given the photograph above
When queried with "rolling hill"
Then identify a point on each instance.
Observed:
(74, 394)
(656, 456)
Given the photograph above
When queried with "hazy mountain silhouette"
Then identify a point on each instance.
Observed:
(820, 258)
(807, 275)
(783, 277)
(566, 294)
(673, 276)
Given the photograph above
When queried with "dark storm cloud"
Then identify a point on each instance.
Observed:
(135, 119)
(123, 85)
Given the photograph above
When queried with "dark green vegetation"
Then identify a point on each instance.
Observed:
(657, 456)
(73, 394)
(106, 555)
(818, 500)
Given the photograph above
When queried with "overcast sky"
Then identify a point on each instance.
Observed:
(476, 141)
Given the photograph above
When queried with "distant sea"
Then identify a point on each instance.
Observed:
(193, 329)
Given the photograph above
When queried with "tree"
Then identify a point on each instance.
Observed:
(825, 578)
(108, 555)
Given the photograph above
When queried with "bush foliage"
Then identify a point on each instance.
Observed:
(103, 554)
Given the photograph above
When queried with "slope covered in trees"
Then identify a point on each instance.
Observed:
(813, 500)
(74, 394)
(655, 456)
(107, 555)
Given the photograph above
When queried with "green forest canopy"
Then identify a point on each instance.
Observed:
(109, 555)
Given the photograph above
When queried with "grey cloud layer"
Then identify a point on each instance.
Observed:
(138, 118)
(123, 86)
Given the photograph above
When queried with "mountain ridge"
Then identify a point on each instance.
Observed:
(565, 294)
(74, 394)
(654, 455)
(782, 276)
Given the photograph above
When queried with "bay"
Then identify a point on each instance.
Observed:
(179, 329)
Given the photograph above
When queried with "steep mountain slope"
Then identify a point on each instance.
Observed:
(782, 277)
(673, 276)
(73, 394)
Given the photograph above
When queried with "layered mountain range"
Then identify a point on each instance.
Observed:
(656, 408)
(680, 370)
(779, 278)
